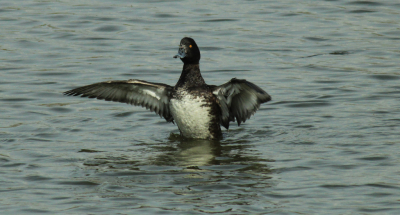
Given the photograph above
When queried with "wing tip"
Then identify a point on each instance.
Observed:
(71, 93)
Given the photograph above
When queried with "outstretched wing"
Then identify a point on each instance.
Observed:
(239, 99)
(153, 96)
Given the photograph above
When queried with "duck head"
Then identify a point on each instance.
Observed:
(188, 51)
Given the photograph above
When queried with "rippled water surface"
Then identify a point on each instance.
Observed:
(328, 142)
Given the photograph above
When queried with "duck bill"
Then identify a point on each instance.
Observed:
(181, 53)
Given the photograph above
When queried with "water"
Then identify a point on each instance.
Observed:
(327, 143)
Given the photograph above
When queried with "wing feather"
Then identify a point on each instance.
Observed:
(153, 96)
(239, 100)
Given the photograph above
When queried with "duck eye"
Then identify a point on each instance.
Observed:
(190, 46)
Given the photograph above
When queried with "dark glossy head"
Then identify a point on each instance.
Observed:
(188, 51)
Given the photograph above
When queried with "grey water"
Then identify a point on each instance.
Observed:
(328, 142)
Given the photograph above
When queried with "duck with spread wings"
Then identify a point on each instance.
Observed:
(197, 108)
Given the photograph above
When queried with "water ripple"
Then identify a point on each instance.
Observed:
(326, 144)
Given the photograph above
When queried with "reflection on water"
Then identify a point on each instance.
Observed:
(185, 154)
(189, 153)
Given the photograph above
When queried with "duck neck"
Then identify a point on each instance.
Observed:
(190, 77)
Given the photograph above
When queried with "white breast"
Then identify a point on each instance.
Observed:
(192, 116)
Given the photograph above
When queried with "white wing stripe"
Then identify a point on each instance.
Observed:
(151, 93)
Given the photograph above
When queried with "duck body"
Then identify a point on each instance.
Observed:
(198, 109)
(193, 105)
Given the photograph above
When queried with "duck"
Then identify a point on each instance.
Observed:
(198, 109)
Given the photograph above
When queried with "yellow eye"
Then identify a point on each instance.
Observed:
(190, 46)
